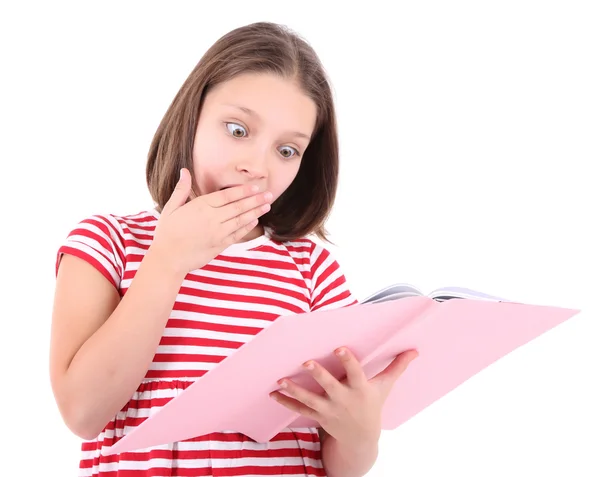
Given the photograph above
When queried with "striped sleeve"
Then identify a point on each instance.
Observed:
(329, 288)
(99, 241)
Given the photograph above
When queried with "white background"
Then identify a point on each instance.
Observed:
(470, 145)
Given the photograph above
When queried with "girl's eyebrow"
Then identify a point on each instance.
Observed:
(254, 114)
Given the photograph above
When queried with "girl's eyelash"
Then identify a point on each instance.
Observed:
(228, 123)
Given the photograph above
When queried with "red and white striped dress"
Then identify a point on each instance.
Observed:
(218, 308)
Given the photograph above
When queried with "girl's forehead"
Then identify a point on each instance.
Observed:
(268, 98)
(250, 85)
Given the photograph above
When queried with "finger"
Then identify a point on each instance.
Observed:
(180, 194)
(394, 370)
(330, 385)
(238, 235)
(294, 405)
(227, 196)
(239, 207)
(355, 375)
(244, 223)
(311, 400)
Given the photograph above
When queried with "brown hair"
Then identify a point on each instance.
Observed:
(257, 48)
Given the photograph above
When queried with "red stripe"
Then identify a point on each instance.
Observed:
(187, 358)
(175, 373)
(225, 472)
(104, 224)
(105, 249)
(303, 251)
(335, 299)
(323, 275)
(191, 454)
(258, 262)
(239, 284)
(135, 242)
(190, 341)
(230, 297)
(329, 289)
(259, 274)
(66, 249)
(218, 327)
(213, 310)
(224, 437)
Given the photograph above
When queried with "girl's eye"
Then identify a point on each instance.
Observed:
(288, 152)
(236, 130)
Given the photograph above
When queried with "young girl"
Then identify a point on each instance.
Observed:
(243, 168)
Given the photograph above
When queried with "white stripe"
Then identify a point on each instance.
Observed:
(113, 238)
(215, 335)
(266, 462)
(291, 273)
(226, 320)
(89, 247)
(135, 250)
(269, 254)
(135, 229)
(191, 349)
(157, 394)
(337, 304)
(226, 275)
(110, 434)
(206, 289)
(329, 261)
(182, 366)
(246, 306)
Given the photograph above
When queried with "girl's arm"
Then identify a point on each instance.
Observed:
(101, 346)
(347, 461)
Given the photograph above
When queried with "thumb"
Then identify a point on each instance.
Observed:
(394, 370)
(181, 193)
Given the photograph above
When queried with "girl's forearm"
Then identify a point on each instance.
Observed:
(110, 365)
(348, 460)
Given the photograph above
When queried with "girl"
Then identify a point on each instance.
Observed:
(243, 168)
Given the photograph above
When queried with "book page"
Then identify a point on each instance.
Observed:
(393, 292)
(403, 290)
(446, 293)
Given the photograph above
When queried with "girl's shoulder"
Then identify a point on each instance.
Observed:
(116, 227)
(105, 240)
(326, 279)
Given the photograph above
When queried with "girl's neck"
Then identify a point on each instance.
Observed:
(253, 234)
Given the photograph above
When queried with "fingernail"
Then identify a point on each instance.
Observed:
(254, 188)
(268, 196)
(341, 352)
(309, 365)
(180, 172)
(282, 383)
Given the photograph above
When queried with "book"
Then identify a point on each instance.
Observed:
(458, 332)
(403, 290)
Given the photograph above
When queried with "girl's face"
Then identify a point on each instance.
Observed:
(252, 129)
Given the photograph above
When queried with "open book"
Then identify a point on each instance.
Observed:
(457, 332)
(403, 290)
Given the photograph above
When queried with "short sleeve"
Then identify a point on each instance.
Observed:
(329, 286)
(98, 240)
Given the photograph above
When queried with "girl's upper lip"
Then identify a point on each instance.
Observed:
(229, 186)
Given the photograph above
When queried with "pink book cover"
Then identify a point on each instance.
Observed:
(456, 339)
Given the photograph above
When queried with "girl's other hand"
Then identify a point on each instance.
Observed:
(189, 234)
